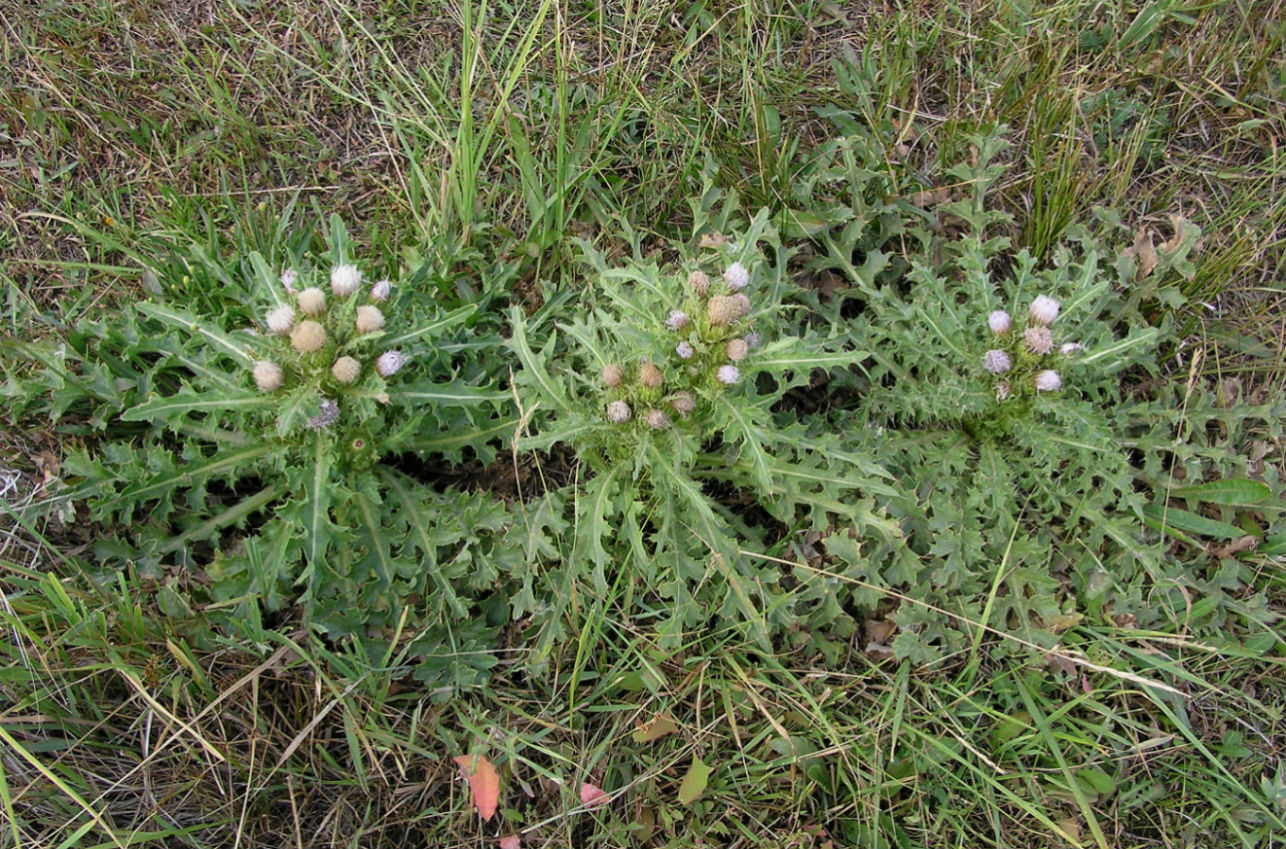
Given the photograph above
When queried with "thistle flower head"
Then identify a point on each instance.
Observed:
(657, 420)
(327, 414)
(344, 280)
(346, 369)
(677, 320)
(381, 290)
(996, 361)
(612, 376)
(308, 337)
(1043, 310)
(723, 309)
(312, 301)
(268, 376)
(728, 375)
(684, 350)
(699, 282)
(683, 403)
(1069, 348)
(281, 320)
(1048, 381)
(736, 276)
(742, 303)
(618, 412)
(288, 278)
(651, 376)
(389, 363)
(999, 322)
(369, 319)
(753, 340)
(1038, 340)
(736, 349)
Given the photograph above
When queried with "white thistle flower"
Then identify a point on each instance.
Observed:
(312, 301)
(677, 320)
(618, 412)
(281, 320)
(1043, 310)
(346, 369)
(736, 349)
(389, 363)
(684, 350)
(268, 376)
(344, 280)
(997, 362)
(1048, 381)
(999, 322)
(737, 277)
(657, 420)
(1038, 340)
(369, 319)
(728, 375)
(308, 337)
(381, 290)
(288, 278)
(1069, 348)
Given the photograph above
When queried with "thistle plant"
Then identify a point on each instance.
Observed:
(670, 384)
(267, 461)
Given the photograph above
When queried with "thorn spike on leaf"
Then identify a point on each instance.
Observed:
(592, 796)
(484, 783)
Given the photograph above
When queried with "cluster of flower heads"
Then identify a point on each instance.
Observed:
(1026, 355)
(316, 332)
(712, 342)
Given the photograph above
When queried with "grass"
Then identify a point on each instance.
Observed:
(129, 133)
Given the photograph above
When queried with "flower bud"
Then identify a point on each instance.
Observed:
(312, 301)
(1002, 391)
(369, 319)
(683, 403)
(753, 340)
(1038, 340)
(281, 320)
(346, 369)
(381, 290)
(618, 412)
(1043, 310)
(677, 321)
(288, 278)
(268, 376)
(657, 420)
(737, 277)
(389, 363)
(684, 350)
(723, 309)
(1048, 381)
(699, 283)
(1069, 348)
(997, 362)
(612, 375)
(308, 337)
(728, 375)
(736, 349)
(999, 322)
(344, 280)
(650, 376)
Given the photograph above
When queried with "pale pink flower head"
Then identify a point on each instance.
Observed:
(677, 320)
(1043, 310)
(369, 319)
(281, 320)
(999, 322)
(1038, 340)
(728, 375)
(736, 349)
(737, 277)
(657, 420)
(288, 278)
(684, 350)
(1048, 381)
(1069, 348)
(389, 363)
(344, 280)
(997, 362)
(683, 403)
(618, 412)
(312, 301)
(381, 290)
(268, 376)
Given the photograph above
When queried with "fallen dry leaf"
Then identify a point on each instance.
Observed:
(591, 796)
(1143, 253)
(654, 729)
(1183, 229)
(1246, 543)
(510, 841)
(484, 783)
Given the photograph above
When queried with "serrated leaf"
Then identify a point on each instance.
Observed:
(190, 323)
(188, 401)
(1161, 517)
(694, 781)
(1230, 492)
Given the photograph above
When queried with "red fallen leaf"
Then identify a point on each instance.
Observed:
(591, 796)
(510, 842)
(484, 783)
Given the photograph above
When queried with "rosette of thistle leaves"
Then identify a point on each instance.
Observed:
(269, 458)
(668, 385)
